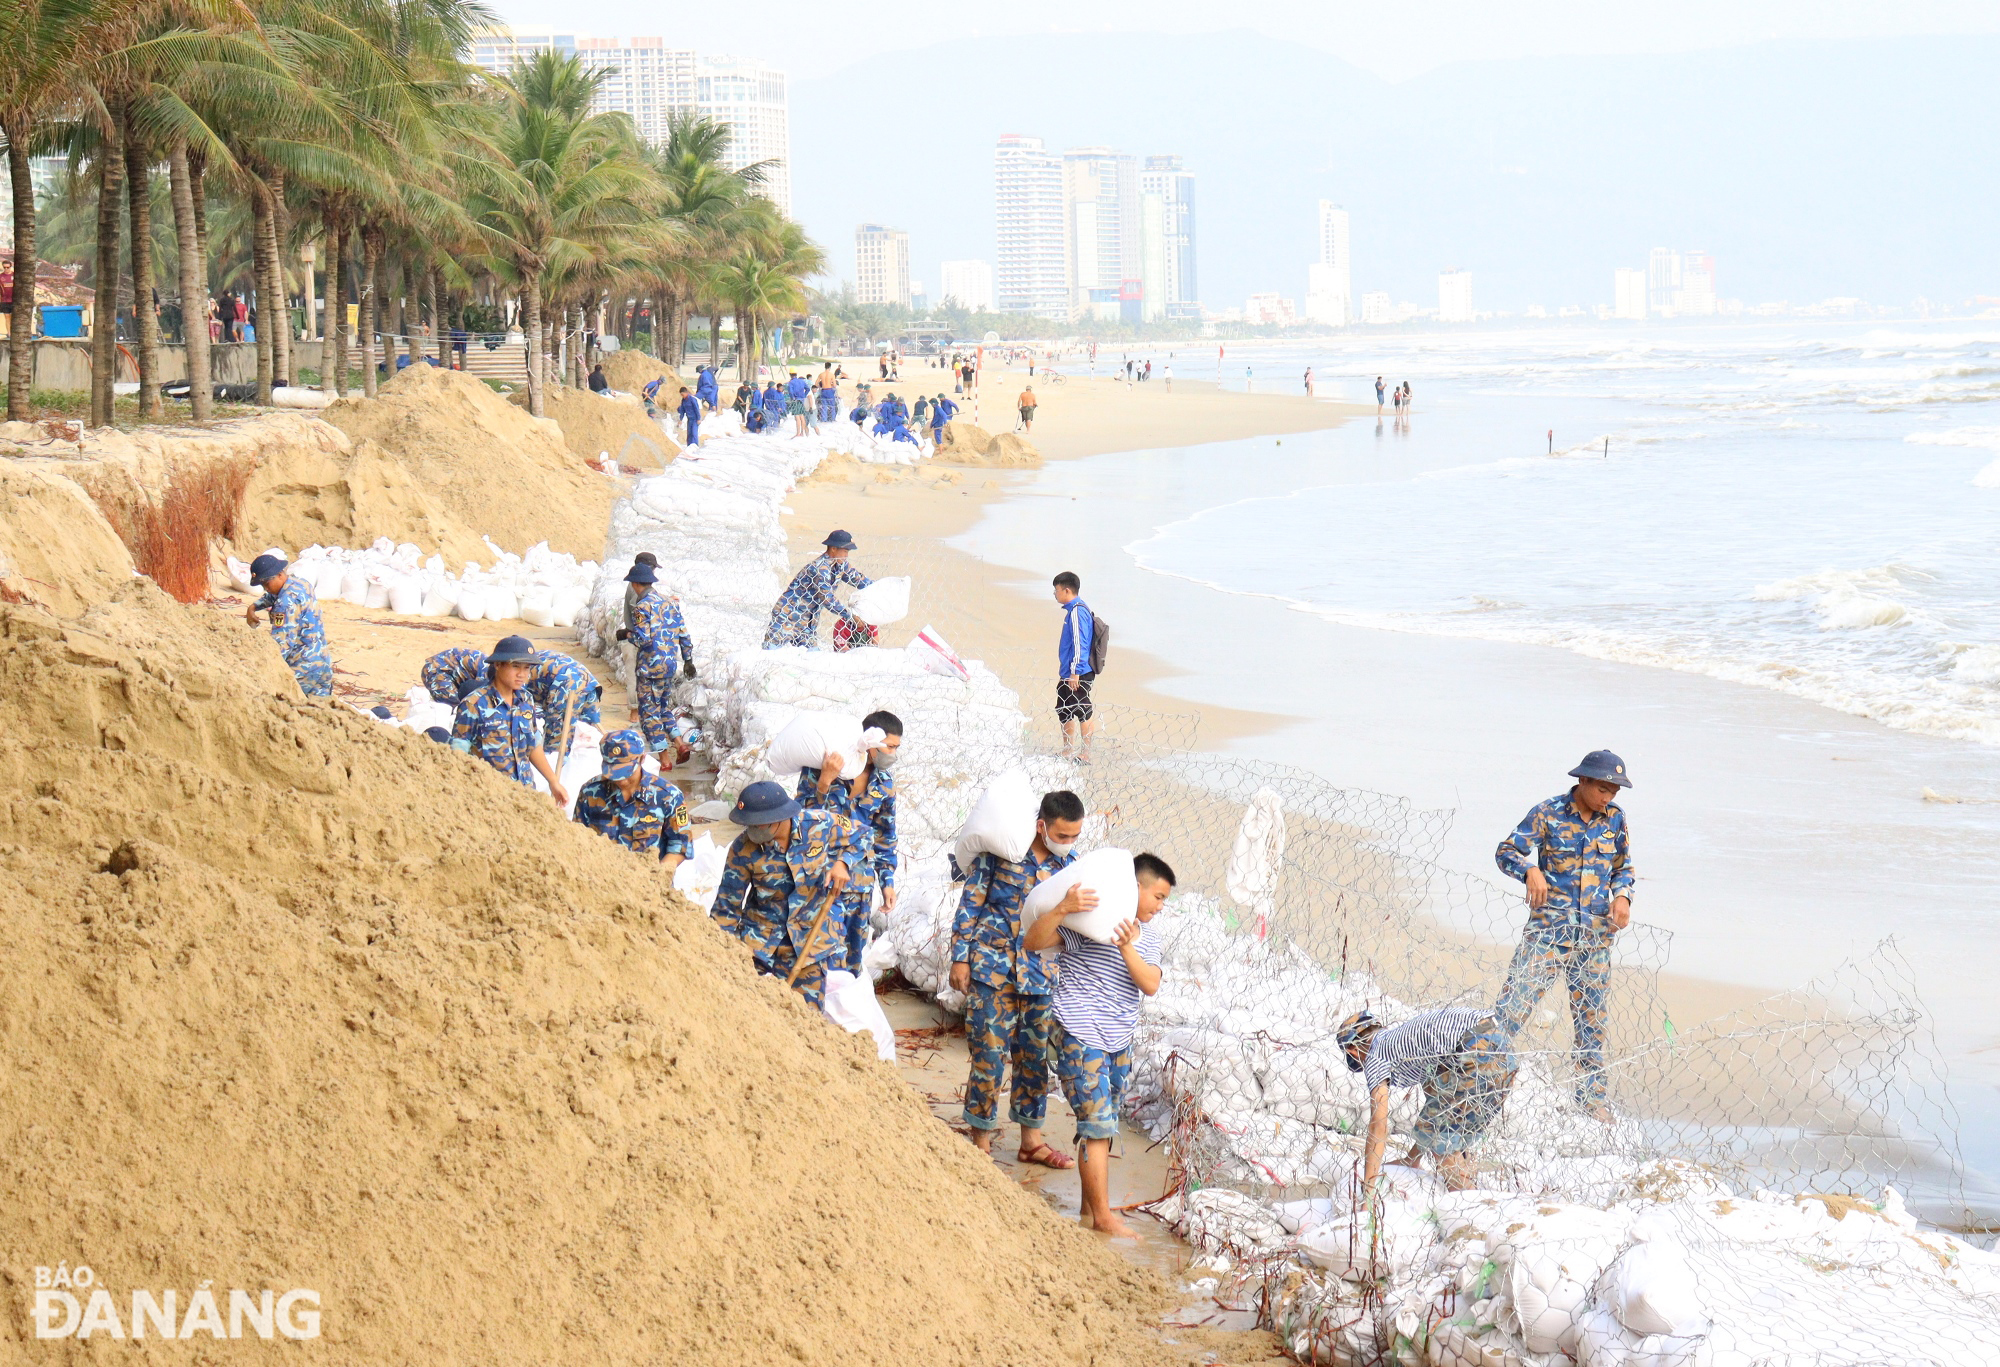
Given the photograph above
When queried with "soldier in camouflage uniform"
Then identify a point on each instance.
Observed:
(869, 798)
(795, 616)
(1008, 989)
(662, 638)
(451, 674)
(563, 687)
(787, 865)
(1579, 896)
(640, 811)
(295, 624)
(499, 722)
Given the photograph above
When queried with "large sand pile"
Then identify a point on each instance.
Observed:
(593, 424)
(966, 444)
(56, 548)
(294, 1000)
(489, 465)
(347, 494)
(632, 371)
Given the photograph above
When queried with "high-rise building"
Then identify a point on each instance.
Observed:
(1152, 257)
(1101, 223)
(881, 265)
(1697, 296)
(1663, 281)
(1455, 296)
(970, 283)
(1164, 176)
(1376, 307)
(1032, 275)
(1269, 309)
(1628, 292)
(1329, 285)
(651, 82)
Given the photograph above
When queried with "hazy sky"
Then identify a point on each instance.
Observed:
(1393, 40)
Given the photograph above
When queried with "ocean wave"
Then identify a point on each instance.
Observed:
(1844, 600)
(1987, 438)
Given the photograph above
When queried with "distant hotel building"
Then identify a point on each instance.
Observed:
(1455, 296)
(650, 82)
(1678, 284)
(970, 283)
(1033, 272)
(1377, 307)
(1329, 281)
(1628, 293)
(1172, 263)
(881, 265)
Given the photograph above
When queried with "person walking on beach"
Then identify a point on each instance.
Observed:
(1574, 856)
(1008, 989)
(1167, 375)
(1309, 382)
(1464, 1061)
(795, 616)
(783, 878)
(1380, 393)
(295, 624)
(1076, 647)
(1099, 989)
(1027, 403)
(499, 723)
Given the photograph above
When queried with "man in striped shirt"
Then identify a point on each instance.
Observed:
(1099, 989)
(1463, 1059)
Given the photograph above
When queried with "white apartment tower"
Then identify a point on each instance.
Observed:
(970, 283)
(651, 82)
(881, 265)
(1179, 293)
(1033, 268)
(1628, 293)
(1101, 221)
(1455, 296)
(1329, 281)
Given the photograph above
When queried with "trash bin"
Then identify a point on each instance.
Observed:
(62, 320)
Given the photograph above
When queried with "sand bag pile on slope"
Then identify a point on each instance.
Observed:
(343, 493)
(593, 424)
(487, 463)
(542, 587)
(295, 1000)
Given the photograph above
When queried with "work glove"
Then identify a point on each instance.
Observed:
(687, 670)
(623, 635)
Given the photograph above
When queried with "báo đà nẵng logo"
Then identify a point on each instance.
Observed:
(70, 1304)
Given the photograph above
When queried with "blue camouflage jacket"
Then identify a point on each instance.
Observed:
(661, 635)
(561, 683)
(875, 809)
(795, 616)
(498, 731)
(653, 820)
(986, 932)
(770, 894)
(451, 674)
(301, 637)
(1587, 860)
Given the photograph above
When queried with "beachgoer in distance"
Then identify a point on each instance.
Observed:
(869, 798)
(1074, 675)
(1099, 988)
(795, 616)
(690, 415)
(598, 382)
(1027, 404)
(499, 723)
(1167, 374)
(797, 389)
(1309, 382)
(1380, 393)
(1575, 857)
(1007, 989)
(295, 624)
(640, 811)
(787, 866)
(1464, 1061)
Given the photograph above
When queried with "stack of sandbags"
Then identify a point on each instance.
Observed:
(543, 588)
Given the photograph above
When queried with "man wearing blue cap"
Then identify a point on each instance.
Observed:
(640, 811)
(662, 638)
(451, 674)
(1575, 857)
(567, 693)
(795, 616)
(500, 723)
(788, 867)
(295, 624)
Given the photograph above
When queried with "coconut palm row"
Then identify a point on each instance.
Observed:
(358, 129)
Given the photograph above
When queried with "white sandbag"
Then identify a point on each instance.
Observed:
(501, 604)
(378, 592)
(936, 655)
(472, 602)
(884, 601)
(1002, 821)
(354, 585)
(327, 577)
(701, 873)
(1361, 1247)
(1106, 872)
(850, 1003)
(239, 574)
(406, 595)
(538, 606)
(1652, 1290)
(297, 396)
(569, 605)
(440, 599)
(810, 738)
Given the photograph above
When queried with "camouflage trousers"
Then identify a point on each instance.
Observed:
(654, 699)
(852, 926)
(1093, 1082)
(315, 678)
(1007, 1028)
(1464, 1090)
(778, 962)
(1580, 954)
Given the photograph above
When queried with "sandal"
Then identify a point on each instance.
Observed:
(1044, 1156)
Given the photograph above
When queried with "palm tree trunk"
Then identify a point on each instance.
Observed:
(371, 303)
(104, 327)
(439, 342)
(20, 350)
(280, 316)
(333, 351)
(531, 306)
(715, 341)
(146, 322)
(260, 276)
(309, 294)
(194, 293)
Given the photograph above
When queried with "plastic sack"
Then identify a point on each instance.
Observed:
(810, 738)
(1359, 1246)
(700, 874)
(354, 585)
(1002, 821)
(406, 595)
(936, 655)
(378, 593)
(850, 1003)
(239, 574)
(1651, 1289)
(538, 606)
(501, 604)
(1106, 872)
(884, 601)
(471, 602)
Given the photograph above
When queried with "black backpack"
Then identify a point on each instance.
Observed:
(1100, 643)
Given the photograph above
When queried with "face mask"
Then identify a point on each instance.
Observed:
(1058, 847)
(882, 759)
(761, 835)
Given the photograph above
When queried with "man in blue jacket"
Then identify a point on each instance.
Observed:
(690, 412)
(1073, 672)
(706, 388)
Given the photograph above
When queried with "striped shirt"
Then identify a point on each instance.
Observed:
(1402, 1054)
(1096, 999)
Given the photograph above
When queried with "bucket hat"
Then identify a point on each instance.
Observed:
(513, 650)
(764, 804)
(1602, 764)
(641, 573)
(838, 541)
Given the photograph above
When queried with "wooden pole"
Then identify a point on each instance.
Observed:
(804, 957)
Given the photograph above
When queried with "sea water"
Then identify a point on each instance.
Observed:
(1776, 590)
